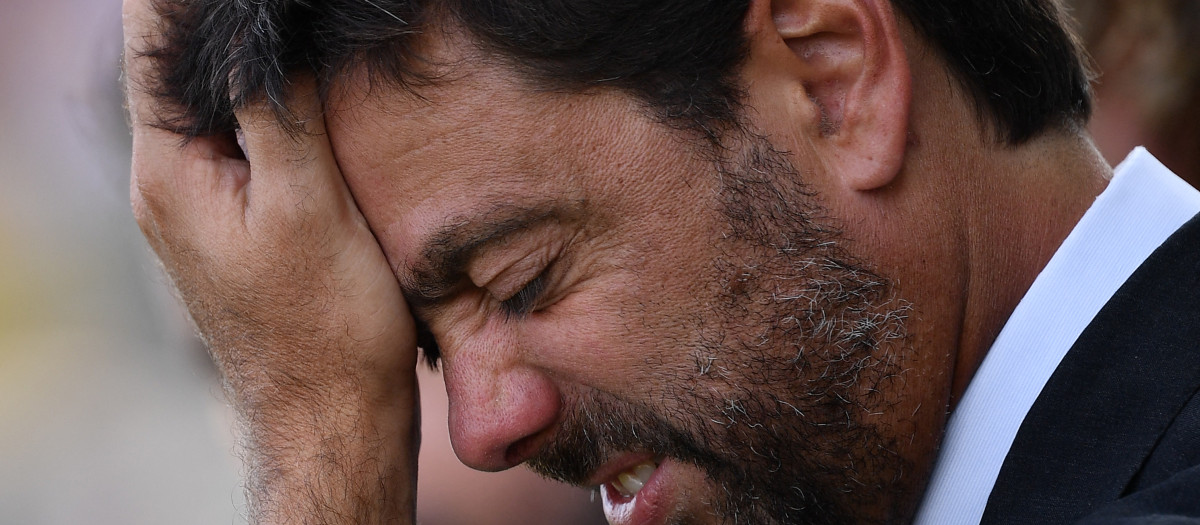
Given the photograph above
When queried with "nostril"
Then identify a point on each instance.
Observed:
(524, 448)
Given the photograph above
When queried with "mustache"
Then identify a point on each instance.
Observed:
(600, 426)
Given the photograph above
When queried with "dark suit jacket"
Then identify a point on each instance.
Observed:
(1114, 437)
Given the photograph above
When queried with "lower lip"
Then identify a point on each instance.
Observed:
(647, 507)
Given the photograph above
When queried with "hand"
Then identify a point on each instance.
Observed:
(293, 296)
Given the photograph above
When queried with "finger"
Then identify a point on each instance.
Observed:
(300, 159)
(145, 218)
(176, 186)
(185, 187)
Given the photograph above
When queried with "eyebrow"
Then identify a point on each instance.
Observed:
(439, 271)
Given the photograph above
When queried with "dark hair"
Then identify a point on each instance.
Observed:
(1014, 57)
(1022, 67)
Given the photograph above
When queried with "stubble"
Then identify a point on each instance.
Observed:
(791, 362)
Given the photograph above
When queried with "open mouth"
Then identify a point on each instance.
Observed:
(638, 495)
(628, 483)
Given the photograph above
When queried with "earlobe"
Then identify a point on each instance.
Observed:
(850, 60)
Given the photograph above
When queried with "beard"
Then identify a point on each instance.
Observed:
(786, 366)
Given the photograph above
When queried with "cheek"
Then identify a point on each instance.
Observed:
(630, 327)
(606, 336)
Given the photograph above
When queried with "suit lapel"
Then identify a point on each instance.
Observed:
(1115, 392)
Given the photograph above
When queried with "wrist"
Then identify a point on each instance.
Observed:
(352, 457)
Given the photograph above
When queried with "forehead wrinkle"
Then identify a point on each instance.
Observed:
(446, 252)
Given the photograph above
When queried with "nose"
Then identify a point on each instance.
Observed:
(499, 416)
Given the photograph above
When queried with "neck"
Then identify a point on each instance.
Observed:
(1035, 195)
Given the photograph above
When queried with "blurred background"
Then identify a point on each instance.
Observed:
(109, 410)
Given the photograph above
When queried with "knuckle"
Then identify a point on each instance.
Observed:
(141, 212)
(146, 180)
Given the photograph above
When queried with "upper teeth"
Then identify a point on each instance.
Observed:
(631, 481)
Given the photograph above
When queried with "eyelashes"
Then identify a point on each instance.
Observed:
(427, 344)
(519, 305)
(525, 300)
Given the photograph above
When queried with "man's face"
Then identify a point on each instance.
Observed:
(619, 306)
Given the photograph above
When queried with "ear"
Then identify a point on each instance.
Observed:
(848, 59)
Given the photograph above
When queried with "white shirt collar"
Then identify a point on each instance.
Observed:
(1143, 205)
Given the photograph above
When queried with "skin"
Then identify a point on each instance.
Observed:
(300, 265)
(295, 301)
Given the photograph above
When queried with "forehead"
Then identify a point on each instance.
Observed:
(480, 137)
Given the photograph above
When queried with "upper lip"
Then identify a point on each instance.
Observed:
(609, 470)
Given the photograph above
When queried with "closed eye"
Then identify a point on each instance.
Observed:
(427, 344)
(525, 300)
